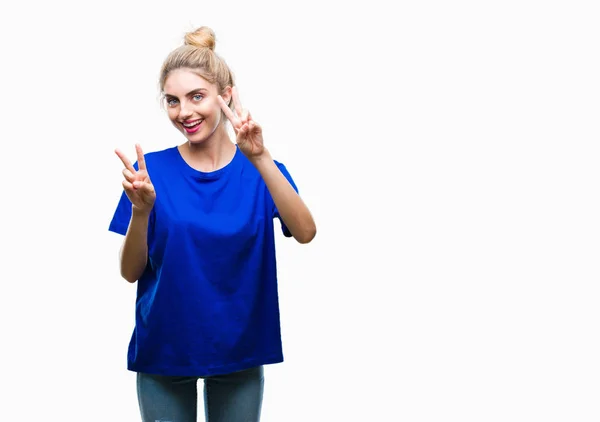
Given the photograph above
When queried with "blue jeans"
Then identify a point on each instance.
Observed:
(234, 397)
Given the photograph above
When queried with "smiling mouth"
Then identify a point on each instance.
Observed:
(191, 127)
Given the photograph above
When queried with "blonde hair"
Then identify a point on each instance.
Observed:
(197, 54)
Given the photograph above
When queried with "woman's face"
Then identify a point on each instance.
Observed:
(192, 104)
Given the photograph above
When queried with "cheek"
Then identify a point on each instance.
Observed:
(172, 113)
(210, 109)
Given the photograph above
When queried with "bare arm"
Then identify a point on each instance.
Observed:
(294, 213)
(134, 252)
(249, 139)
(140, 191)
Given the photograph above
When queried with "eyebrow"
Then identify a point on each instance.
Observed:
(195, 91)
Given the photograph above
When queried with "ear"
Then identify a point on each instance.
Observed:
(226, 95)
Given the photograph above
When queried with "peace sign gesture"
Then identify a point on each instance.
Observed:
(248, 132)
(137, 184)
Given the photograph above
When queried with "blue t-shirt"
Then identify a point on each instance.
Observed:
(207, 301)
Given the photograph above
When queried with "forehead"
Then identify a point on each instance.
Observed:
(181, 81)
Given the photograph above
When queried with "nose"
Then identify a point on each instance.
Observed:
(185, 112)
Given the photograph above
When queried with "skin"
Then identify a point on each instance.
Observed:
(191, 98)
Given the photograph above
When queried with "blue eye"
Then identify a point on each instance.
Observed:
(197, 97)
(171, 101)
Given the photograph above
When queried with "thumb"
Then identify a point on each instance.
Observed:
(145, 187)
(255, 127)
(242, 135)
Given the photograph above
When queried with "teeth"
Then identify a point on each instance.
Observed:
(193, 124)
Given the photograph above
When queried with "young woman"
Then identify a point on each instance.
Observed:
(198, 221)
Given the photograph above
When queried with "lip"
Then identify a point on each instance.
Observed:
(192, 129)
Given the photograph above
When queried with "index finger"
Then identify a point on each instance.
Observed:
(140, 155)
(125, 161)
(236, 101)
(225, 109)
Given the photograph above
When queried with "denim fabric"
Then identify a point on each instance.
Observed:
(234, 397)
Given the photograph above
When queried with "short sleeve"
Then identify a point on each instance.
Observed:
(287, 175)
(120, 221)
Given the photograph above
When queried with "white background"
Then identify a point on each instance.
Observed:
(448, 150)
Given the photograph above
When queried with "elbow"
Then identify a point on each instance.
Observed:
(307, 235)
(130, 278)
(129, 273)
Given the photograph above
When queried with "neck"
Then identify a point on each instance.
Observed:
(211, 154)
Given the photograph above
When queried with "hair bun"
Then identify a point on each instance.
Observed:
(203, 37)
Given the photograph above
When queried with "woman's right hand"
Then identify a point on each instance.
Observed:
(137, 184)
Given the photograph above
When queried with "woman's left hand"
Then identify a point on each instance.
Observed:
(248, 133)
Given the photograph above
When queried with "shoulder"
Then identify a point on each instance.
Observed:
(158, 158)
(250, 169)
(160, 155)
(248, 163)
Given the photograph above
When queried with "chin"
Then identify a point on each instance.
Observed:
(196, 141)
